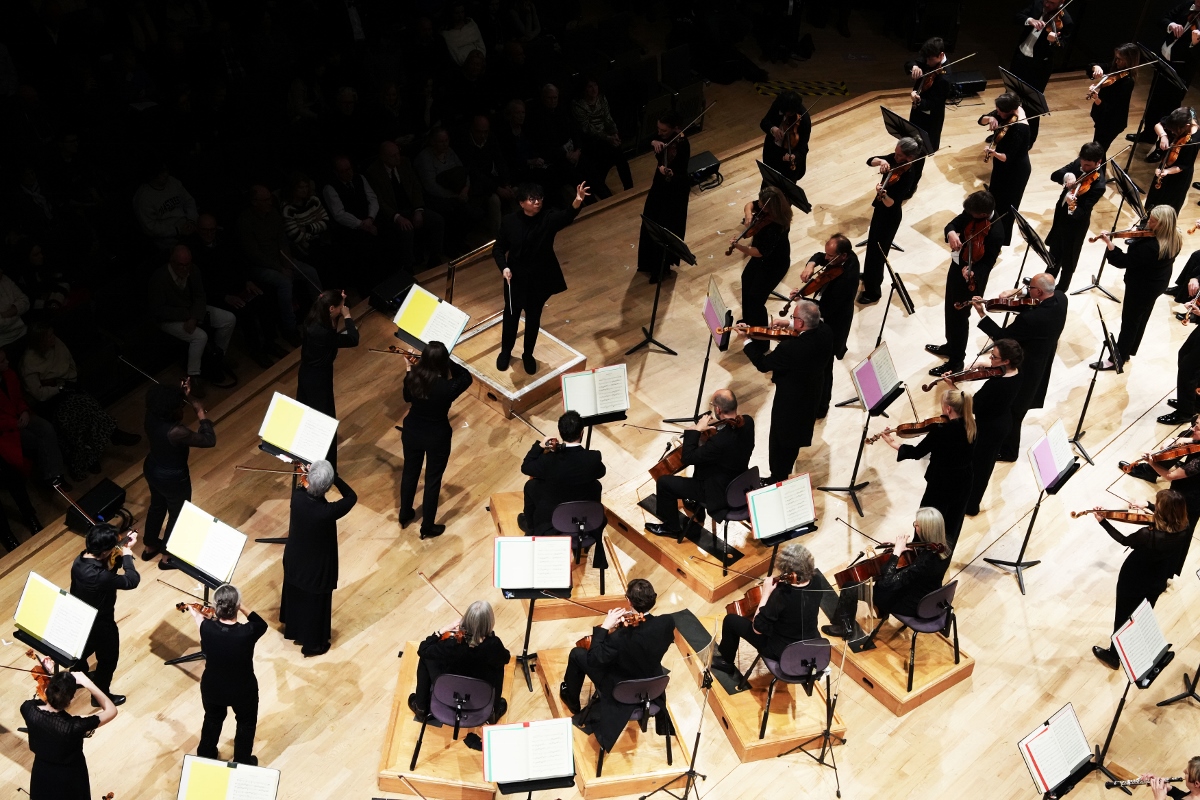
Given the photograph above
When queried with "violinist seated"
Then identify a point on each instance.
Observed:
(229, 680)
(619, 651)
(900, 589)
(1151, 469)
(559, 472)
(786, 613)
(469, 648)
(105, 567)
(718, 445)
(56, 737)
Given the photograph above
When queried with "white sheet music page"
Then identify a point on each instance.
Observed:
(551, 562)
(885, 370)
(70, 623)
(1060, 446)
(513, 567)
(1054, 751)
(1139, 642)
(505, 753)
(612, 389)
(445, 326)
(549, 743)
(796, 494)
(766, 511)
(314, 436)
(579, 393)
(221, 550)
(252, 783)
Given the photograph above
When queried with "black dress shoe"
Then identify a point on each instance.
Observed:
(149, 551)
(1175, 418)
(945, 369)
(530, 364)
(117, 700)
(867, 299)
(837, 631)
(1173, 403)
(502, 361)
(719, 662)
(432, 531)
(662, 530)
(971, 511)
(1196, 184)
(572, 705)
(1155, 156)
(310, 652)
(523, 523)
(498, 711)
(420, 714)
(406, 516)
(167, 563)
(939, 350)
(1102, 366)
(1107, 656)
(32, 523)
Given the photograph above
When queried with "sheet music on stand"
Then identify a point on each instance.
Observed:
(206, 543)
(717, 315)
(781, 507)
(54, 616)
(296, 429)
(1052, 459)
(1055, 750)
(528, 751)
(532, 562)
(876, 381)
(209, 779)
(424, 317)
(1140, 643)
(594, 392)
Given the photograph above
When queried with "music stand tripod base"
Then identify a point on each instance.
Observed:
(1095, 284)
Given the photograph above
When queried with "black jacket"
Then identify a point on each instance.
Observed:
(1037, 331)
(795, 366)
(525, 245)
(901, 591)
(1113, 109)
(310, 556)
(570, 473)
(837, 300)
(432, 414)
(772, 154)
(719, 460)
(625, 654)
(899, 191)
(991, 242)
(314, 378)
(485, 661)
(790, 615)
(949, 454)
(1183, 53)
(229, 657)
(1084, 203)
(97, 585)
(1142, 264)
(1043, 50)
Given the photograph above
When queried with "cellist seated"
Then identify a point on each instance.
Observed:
(786, 613)
(899, 590)
(717, 461)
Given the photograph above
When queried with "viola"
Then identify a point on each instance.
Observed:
(761, 219)
(748, 605)
(458, 636)
(873, 567)
(910, 430)
(631, 619)
(672, 461)
(203, 609)
(409, 355)
(970, 374)
(41, 677)
(1118, 515)
(791, 138)
(762, 333)
(1132, 233)
(1167, 454)
(1004, 304)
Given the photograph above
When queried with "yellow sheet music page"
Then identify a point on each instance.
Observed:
(283, 420)
(37, 604)
(418, 310)
(207, 781)
(188, 535)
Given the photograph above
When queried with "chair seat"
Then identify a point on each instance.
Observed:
(923, 624)
(775, 669)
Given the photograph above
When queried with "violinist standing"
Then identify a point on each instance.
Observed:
(896, 185)
(430, 388)
(524, 253)
(1070, 228)
(1175, 155)
(770, 253)
(1147, 264)
(975, 241)
(1184, 475)
(786, 613)
(1033, 60)
(794, 364)
(900, 590)
(949, 447)
(469, 647)
(1154, 552)
(96, 583)
(1110, 103)
(667, 200)
(310, 559)
(929, 94)
(992, 405)
(229, 680)
(1187, 364)
(1009, 153)
(717, 461)
(1037, 330)
(1181, 49)
(60, 770)
(565, 473)
(322, 340)
(835, 300)
(788, 129)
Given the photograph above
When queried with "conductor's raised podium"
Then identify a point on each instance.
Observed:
(637, 764)
(446, 769)
(585, 579)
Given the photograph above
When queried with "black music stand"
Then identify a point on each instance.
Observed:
(1109, 343)
(539, 785)
(1131, 195)
(59, 658)
(209, 583)
(899, 128)
(292, 458)
(600, 419)
(794, 194)
(1143, 682)
(1020, 565)
(671, 245)
(527, 658)
(1162, 70)
(1032, 100)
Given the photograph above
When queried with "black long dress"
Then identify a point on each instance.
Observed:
(836, 302)
(427, 435)
(885, 222)
(1147, 568)
(948, 476)
(763, 273)
(993, 420)
(666, 204)
(1146, 277)
(1011, 176)
(56, 738)
(314, 378)
(1175, 186)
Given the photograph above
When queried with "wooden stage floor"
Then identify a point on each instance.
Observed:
(322, 720)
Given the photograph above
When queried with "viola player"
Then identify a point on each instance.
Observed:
(60, 770)
(469, 647)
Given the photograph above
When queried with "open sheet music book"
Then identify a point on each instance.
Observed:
(1140, 642)
(781, 507)
(1051, 456)
(209, 545)
(428, 318)
(208, 779)
(596, 391)
(55, 616)
(302, 431)
(875, 377)
(1055, 750)
(532, 562)
(528, 751)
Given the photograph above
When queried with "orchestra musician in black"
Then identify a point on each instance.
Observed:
(96, 583)
(60, 770)
(788, 128)
(469, 647)
(1008, 147)
(559, 472)
(1184, 476)
(1073, 211)
(929, 103)
(667, 200)
(992, 405)
(1110, 101)
(835, 300)
(1179, 47)
(327, 329)
(897, 184)
(1172, 181)
(770, 252)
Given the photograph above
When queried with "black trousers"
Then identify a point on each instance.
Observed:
(785, 441)
(884, 224)
(1106, 133)
(105, 643)
(420, 447)
(670, 490)
(167, 495)
(988, 440)
(735, 630)
(216, 707)
(1065, 247)
(532, 306)
(759, 279)
(1187, 375)
(576, 672)
(1165, 98)
(958, 321)
(1136, 308)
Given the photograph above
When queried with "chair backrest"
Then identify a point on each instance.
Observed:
(804, 659)
(457, 696)
(640, 690)
(735, 494)
(579, 517)
(937, 603)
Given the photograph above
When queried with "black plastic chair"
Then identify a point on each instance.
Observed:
(649, 695)
(935, 614)
(802, 663)
(459, 701)
(584, 521)
(738, 509)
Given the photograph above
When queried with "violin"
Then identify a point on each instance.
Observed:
(971, 374)
(203, 609)
(997, 137)
(891, 176)
(1081, 187)
(672, 461)
(457, 635)
(761, 219)
(791, 138)
(748, 605)
(552, 446)
(1172, 155)
(1139, 517)
(1192, 229)
(1055, 25)
(299, 470)
(631, 619)
(1004, 304)
(910, 430)
(1167, 454)
(822, 278)
(762, 333)
(1132, 233)
(409, 356)
(873, 567)
(974, 246)
(41, 677)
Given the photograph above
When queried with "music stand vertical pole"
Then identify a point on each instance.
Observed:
(1020, 564)
(1102, 752)
(527, 657)
(854, 488)
(703, 377)
(649, 332)
(1095, 284)
(279, 539)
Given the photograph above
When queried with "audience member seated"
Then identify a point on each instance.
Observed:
(525, 161)
(46, 283)
(467, 92)
(402, 213)
(393, 119)
(554, 134)
(164, 209)
(306, 222)
(13, 303)
(447, 187)
(601, 140)
(232, 289)
(787, 612)
(462, 35)
(27, 442)
(267, 250)
(178, 301)
(564, 473)
(472, 649)
(487, 171)
(346, 128)
(353, 205)
(85, 429)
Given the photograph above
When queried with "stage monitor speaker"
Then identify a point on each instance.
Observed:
(970, 82)
(387, 296)
(102, 502)
(705, 170)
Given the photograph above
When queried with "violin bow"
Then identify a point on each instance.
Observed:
(801, 115)
(575, 602)
(136, 368)
(945, 67)
(181, 591)
(915, 160)
(652, 430)
(690, 124)
(1122, 72)
(302, 272)
(1019, 121)
(421, 575)
(1100, 166)
(860, 533)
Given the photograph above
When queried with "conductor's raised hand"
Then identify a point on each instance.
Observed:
(582, 191)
